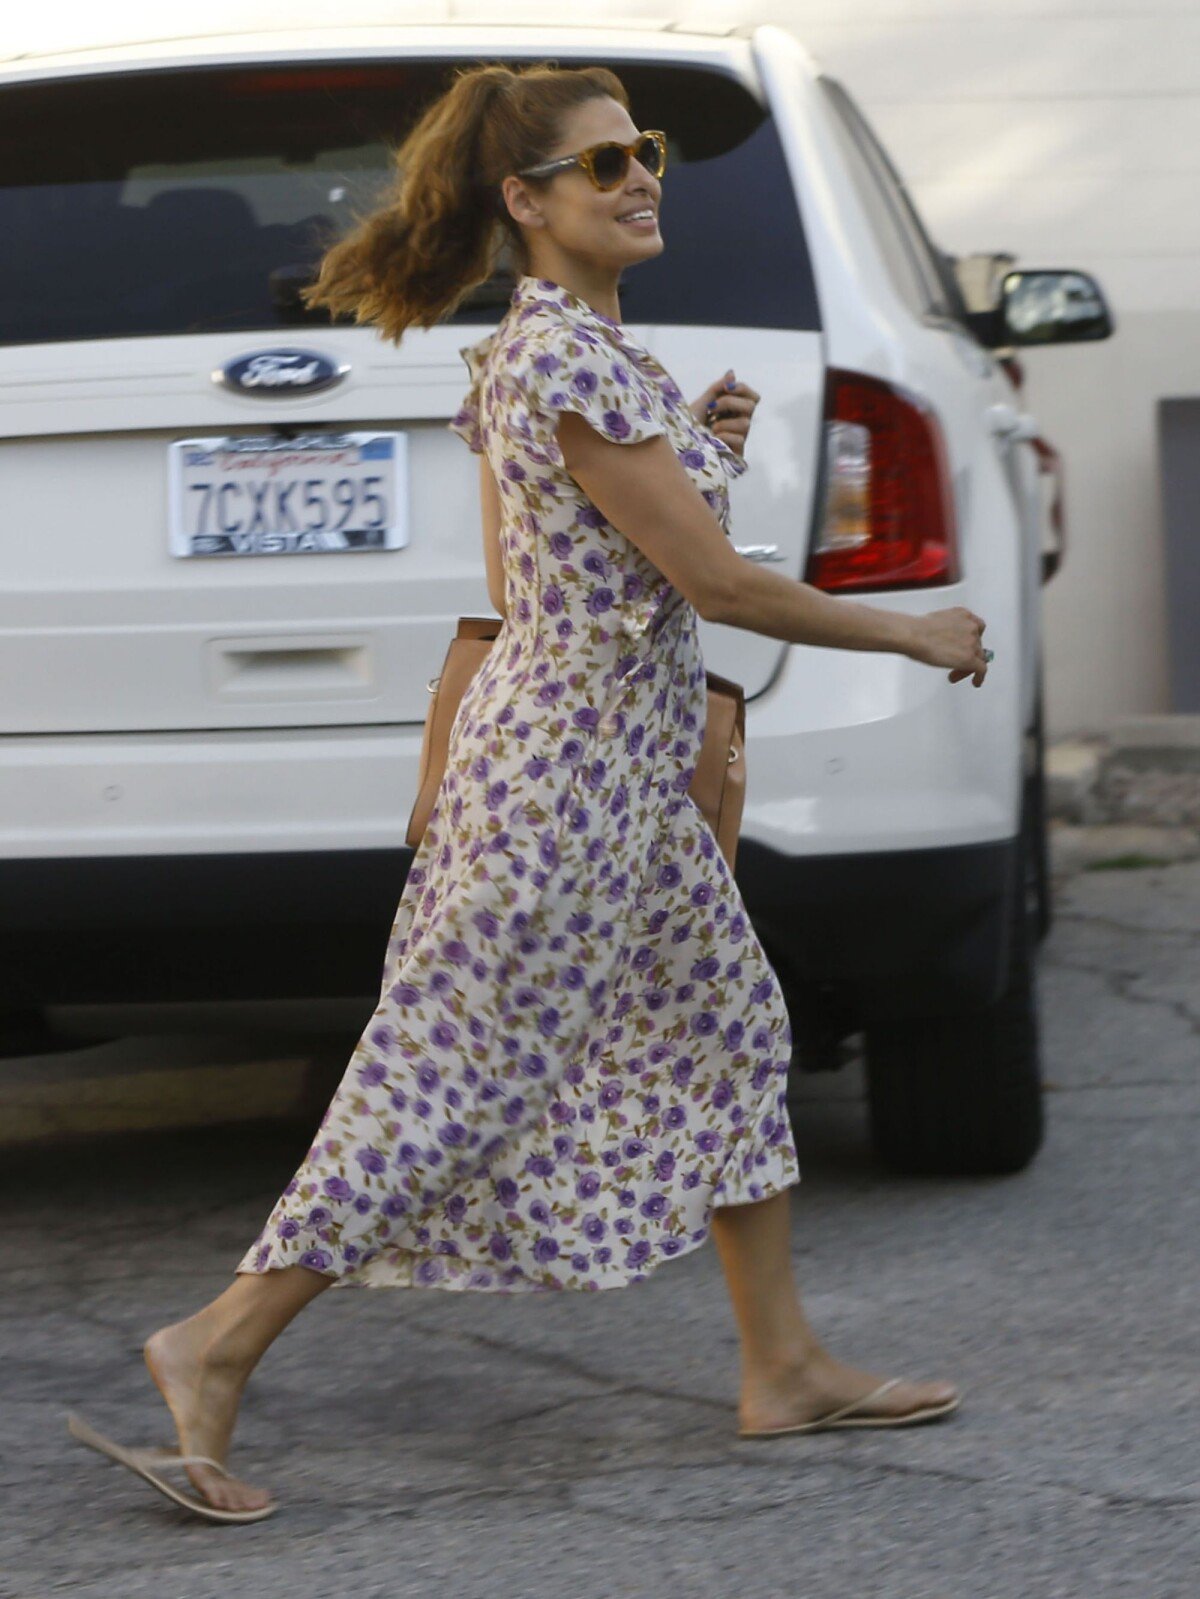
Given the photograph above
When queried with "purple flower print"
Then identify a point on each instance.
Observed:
(444, 1035)
(317, 1259)
(561, 831)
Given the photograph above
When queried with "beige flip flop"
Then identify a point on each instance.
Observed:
(843, 1417)
(149, 1463)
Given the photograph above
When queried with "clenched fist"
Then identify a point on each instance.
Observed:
(951, 638)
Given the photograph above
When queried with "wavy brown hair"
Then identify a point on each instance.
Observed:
(438, 230)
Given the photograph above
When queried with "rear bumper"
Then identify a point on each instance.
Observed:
(897, 933)
(913, 930)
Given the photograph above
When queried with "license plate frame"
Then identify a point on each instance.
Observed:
(206, 520)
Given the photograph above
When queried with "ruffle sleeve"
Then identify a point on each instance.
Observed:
(466, 421)
(565, 369)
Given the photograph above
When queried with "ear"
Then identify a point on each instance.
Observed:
(522, 206)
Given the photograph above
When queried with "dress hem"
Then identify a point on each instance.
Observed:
(360, 1277)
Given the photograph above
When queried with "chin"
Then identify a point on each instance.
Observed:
(646, 250)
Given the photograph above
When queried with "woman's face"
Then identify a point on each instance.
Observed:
(568, 214)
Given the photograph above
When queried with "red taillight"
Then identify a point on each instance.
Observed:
(888, 516)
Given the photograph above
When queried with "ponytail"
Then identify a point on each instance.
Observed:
(412, 261)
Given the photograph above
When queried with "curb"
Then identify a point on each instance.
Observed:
(1142, 771)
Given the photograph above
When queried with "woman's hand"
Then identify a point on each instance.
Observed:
(725, 408)
(950, 638)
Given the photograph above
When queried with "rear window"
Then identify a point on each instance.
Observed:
(197, 200)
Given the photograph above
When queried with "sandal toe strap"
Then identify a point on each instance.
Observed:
(865, 1399)
(172, 1457)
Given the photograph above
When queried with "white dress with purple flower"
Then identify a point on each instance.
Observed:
(580, 1047)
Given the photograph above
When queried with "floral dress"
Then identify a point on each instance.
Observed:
(580, 1047)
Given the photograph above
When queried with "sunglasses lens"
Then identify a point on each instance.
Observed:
(610, 163)
(652, 155)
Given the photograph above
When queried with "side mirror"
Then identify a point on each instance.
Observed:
(1045, 307)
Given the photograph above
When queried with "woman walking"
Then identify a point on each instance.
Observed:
(577, 1067)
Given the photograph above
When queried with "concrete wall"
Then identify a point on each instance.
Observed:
(1066, 131)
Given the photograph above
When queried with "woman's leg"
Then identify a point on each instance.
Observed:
(201, 1365)
(787, 1376)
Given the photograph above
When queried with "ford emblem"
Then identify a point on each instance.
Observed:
(271, 373)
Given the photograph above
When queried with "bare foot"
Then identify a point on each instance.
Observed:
(202, 1396)
(790, 1396)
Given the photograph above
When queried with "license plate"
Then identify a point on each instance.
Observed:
(319, 493)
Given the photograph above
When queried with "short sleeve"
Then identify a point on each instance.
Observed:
(466, 421)
(565, 369)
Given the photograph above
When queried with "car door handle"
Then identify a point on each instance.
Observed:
(760, 552)
(1010, 423)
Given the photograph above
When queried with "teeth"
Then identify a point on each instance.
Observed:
(634, 216)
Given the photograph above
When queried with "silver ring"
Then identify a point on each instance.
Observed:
(988, 655)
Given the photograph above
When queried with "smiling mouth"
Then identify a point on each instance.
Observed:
(644, 215)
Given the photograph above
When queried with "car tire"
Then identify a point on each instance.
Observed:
(961, 1095)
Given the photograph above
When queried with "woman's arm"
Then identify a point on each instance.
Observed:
(489, 503)
(644, 491)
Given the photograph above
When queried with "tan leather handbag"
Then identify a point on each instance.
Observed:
(718, 785)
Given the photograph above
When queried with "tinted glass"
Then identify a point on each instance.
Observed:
(195, 201)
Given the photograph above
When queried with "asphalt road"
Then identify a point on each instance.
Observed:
(431, 1444)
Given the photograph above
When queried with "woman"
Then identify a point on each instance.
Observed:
(577, 1068)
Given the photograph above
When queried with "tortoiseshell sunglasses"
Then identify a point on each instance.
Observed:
(606, 164)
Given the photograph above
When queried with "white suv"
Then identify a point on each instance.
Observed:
(234, 538)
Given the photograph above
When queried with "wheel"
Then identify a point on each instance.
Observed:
(961, 1095)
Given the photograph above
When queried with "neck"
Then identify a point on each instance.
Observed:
(593, 281)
